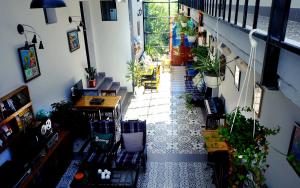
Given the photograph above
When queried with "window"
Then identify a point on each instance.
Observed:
(108, 10)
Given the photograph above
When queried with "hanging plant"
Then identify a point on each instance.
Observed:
(249, 152)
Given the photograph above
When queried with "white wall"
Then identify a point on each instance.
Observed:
(112, 45)
(59, 68)
(279, 108)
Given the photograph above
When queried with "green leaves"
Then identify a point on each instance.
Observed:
(249, 152)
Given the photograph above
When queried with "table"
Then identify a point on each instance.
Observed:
(214, 142)
(110, 104)
(119, 178)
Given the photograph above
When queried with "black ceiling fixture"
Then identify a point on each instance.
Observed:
(47, 4)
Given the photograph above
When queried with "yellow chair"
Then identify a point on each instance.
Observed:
(154, 82)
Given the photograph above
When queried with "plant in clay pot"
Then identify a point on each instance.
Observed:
(91, 76)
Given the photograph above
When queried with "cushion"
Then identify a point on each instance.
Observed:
(103, 141)
(133, 142)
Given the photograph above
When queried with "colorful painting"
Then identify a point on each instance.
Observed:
(294, 150)
(29, 63)
(73, 40)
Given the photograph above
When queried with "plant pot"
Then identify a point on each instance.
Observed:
(138, 91)
(183, 24)
(195, 58)
(92, 83)
(191, 39)
(212, 81)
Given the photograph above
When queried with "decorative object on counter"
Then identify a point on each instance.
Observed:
(96, 101)
(47, 4)
(294, 149)
(29, 63)
(77, 20)
(91, 76)
(21, 30)
(73, 40)
(42, 115)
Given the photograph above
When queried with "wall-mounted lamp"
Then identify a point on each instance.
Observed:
(47, 4)
(21, 30)
(77, 20)
(140, 12)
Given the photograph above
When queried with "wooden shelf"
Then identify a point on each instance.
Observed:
(12, 116)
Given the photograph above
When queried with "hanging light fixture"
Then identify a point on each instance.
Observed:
(22, 30)
(47, 4)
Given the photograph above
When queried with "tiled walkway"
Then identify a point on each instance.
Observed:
(176, 157)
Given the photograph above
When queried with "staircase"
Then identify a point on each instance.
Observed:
(107, 83)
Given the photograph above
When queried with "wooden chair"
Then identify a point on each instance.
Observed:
(154, 82)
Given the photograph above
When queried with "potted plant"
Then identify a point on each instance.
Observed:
(210, 68)
(199, 52)
(191, 34)
(91, 76)
(249, 151)
(183, 20)
(134, 75)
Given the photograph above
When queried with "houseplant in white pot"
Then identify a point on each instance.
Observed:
(91, 76)
(183, 20)
(134, 75)
(191, 34)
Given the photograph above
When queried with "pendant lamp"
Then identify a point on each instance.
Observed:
(47, 4)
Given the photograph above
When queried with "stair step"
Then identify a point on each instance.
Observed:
(106, 84)
(115, 86)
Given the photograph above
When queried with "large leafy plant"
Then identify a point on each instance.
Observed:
(191, 31)
(91, 73)
(134, 73)
(249, 152)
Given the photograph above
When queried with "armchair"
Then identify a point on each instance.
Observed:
(126, 156)
(101, 153)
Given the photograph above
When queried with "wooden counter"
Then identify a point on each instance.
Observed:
(110, 102)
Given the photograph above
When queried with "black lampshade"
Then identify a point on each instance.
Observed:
(78, 29)
(47, 4)
(26, 45)
(34, 41)
(41, 46)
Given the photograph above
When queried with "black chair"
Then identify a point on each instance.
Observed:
(133, 160)
(96, 157)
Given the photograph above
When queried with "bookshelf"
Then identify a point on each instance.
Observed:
(16, 113)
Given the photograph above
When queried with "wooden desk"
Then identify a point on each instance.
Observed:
(110, 103)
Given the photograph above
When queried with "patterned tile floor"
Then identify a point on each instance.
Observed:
(176, 156)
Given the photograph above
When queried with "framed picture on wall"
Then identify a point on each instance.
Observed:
(29, 62)
(237, 77)
(257, 99)
(73, 40)
(293, 156)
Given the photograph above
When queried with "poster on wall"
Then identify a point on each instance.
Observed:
(294, 150)
(29, 63)
(73, 40)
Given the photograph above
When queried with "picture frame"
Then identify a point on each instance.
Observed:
(257, 99)
(293, 156)
(73, 40)
(29, 63)
(237, 77)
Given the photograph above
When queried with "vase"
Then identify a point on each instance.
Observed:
(92, 83)
(191, 39)
(212, 81)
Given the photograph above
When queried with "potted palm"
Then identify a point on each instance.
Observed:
(191, 34)
(198, 52)
(249, 148)
(134, 75)
(91, 76)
